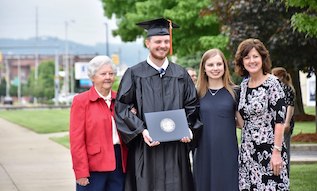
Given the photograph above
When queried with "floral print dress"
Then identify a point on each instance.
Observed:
(261, 108)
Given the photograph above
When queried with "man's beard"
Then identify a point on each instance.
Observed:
(155, 56)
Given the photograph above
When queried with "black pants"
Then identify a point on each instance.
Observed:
(106, 181)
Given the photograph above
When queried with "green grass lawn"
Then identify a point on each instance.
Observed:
(304, 127)
(303, 177)
(64, 140)
(39, 120)
(310, 110)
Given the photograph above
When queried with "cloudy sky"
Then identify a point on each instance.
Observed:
(85, 17)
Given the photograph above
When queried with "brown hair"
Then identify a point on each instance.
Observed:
(283, 75)
(244, 48)
(202, 82)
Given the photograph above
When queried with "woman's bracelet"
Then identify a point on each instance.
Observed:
(278, 148)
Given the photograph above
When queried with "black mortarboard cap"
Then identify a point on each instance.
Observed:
(157, 27)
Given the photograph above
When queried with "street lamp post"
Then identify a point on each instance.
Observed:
(66, 60)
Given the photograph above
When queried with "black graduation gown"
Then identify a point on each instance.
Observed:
(165, 167)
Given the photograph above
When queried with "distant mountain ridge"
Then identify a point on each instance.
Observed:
(130, 53)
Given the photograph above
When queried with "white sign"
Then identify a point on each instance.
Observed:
(81, 71)
(311, 91)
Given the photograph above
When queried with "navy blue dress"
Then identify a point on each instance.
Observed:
(216, 158)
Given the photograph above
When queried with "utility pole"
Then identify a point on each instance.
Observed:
(107, 40)
(71, 70)
(36, 43)
(36, 52)
(7, 78)
(56, 79)
(19, 79)
(66, 62)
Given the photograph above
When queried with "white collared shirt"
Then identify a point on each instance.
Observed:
(115, 136)
(164, 66)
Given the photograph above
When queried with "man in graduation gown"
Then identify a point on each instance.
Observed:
(156, 84)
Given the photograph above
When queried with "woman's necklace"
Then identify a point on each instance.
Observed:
(213, 93)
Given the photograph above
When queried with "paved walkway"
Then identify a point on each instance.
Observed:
(303, 153)
(32, 162)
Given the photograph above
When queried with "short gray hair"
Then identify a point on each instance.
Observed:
(97, 62)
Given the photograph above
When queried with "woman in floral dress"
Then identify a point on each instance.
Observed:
(262, 157)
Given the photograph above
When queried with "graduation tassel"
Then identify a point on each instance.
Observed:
(171, 37)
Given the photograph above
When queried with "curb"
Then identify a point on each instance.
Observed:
(303, 162)
(303, 147)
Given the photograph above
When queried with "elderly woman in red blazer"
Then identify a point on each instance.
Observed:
(98, 154)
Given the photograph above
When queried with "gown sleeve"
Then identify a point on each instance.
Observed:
(192, 108)
(129, 125)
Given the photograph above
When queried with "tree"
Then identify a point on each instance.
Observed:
(3, 85)
(198, 31)
(43, 87)
(305, 19)
(271, 23)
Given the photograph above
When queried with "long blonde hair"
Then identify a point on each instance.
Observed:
(202, 82)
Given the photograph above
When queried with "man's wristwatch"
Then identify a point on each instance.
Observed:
(278, 148)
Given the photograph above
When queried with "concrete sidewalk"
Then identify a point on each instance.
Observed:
(303, 153)
(32, 162)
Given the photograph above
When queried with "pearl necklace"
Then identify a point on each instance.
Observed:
(213, 93)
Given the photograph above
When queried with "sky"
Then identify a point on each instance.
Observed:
(85, 18)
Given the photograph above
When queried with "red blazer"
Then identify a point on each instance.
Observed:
(90, 134)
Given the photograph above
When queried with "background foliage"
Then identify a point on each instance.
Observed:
(305, 18)
(43, 87)
(198, 30)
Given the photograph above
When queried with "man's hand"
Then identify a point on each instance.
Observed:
(134, 111)
(185, 140)
(188, 139)
(148, 140)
